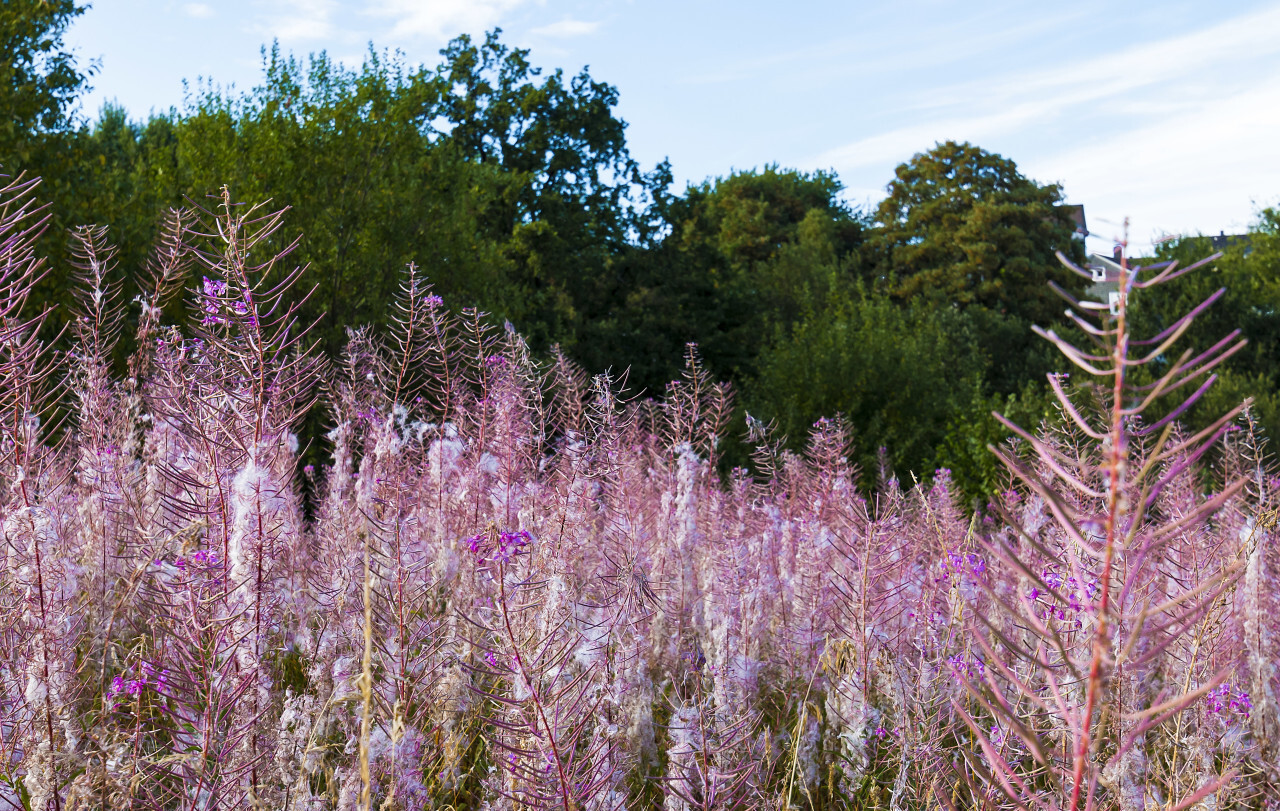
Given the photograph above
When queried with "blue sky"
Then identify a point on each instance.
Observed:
(1165, 112)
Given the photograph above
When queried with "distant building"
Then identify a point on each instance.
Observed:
(1106, 278)
(1106, 269)
(1076, 213)
(1224, 240)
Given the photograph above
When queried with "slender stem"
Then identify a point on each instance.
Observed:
(366, 681)
(1115, 475)
(533, 692)
(22, 454)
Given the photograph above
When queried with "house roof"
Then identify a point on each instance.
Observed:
(1224, 240)
(1076, 213)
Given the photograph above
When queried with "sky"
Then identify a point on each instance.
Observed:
(1165, 112)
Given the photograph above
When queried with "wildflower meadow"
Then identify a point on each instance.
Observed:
(510, 587)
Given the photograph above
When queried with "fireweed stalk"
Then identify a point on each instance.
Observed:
(662, 637)
(233, 393)
(100, 435)
(542, 675)
(1098, 585)
(40, 579)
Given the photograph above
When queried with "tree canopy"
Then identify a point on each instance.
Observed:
(39, 79)
(515, 192)
(961, 225)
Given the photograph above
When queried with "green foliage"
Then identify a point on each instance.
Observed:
(763, 246)
(965, 450)
(373, 187)
(897, 374)
(511, 192)
(515, 193)
(962, 227)
(39, 85)
(773, 235)
(1249, 269)
(722, 266)
(39, 78)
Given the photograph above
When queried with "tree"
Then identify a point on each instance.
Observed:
(371, 185)
(898, 374)
(560, 136)
(1249, 272)
(39, 79)
(962, 227)
(724, 266)
(570, 209)
(509, 191)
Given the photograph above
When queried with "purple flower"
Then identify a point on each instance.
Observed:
(432, 300)
(510, 544)
(976, 564)
(135, 687)
(214, 287)
(1227, 699)
(963, 667)
(117, 685)
(495, 361)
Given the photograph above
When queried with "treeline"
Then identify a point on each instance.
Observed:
(515, 192)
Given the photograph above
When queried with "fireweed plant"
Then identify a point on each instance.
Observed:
(513, 589)
(1117, 666)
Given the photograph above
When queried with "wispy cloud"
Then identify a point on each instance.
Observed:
(1176, 126)
(293, 21)
(201, 11)
(1117, 72)
(566, 28)
(1180, 167)
(872, 53)
(902, 142)
(442, 19)
(1014, 101)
